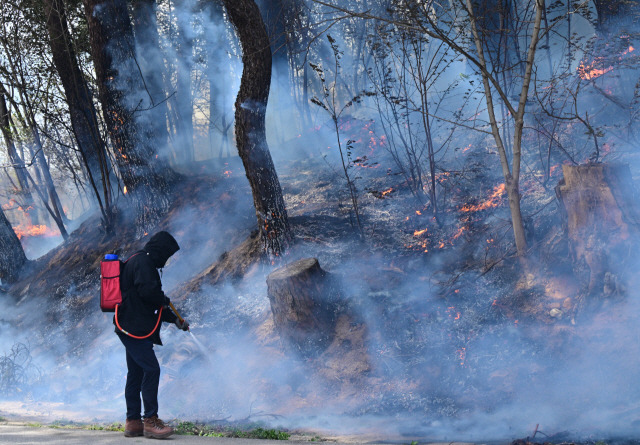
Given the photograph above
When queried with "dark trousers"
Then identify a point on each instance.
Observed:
(143, 376)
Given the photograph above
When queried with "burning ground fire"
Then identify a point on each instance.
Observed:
(494, 200)
(22, 230)
(25, 228)
(595, 69)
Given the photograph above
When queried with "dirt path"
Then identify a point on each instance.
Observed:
(20, 433)
(25, 435)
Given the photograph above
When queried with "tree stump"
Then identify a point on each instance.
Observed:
(601, 215)
(303, 304)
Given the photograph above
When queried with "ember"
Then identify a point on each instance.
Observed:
(420, 232)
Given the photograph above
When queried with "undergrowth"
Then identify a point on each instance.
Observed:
(17, 370)
(197, 429)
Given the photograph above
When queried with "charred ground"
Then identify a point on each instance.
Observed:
(443, 329)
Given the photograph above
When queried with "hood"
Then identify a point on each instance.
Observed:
(160, 247)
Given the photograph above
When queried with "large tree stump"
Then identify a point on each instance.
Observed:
(303, 304)
(601, 215)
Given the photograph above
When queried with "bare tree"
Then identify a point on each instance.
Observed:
(419, 17)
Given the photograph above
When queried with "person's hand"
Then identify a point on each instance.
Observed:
(184, 324)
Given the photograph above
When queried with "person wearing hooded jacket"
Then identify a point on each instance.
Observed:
(144, 305)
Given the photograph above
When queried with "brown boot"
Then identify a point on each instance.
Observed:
(133, 428)
(155, 428)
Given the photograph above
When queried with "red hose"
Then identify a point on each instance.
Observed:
(135, 336)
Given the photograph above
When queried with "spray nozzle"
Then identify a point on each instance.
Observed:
(173, 308)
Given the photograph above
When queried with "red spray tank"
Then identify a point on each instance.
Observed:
(110, 294)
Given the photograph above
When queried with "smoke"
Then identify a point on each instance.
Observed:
(448, 362)
(510, 377)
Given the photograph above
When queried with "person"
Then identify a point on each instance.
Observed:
(144, 306)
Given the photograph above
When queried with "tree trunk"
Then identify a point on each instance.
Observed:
(303, 313)
(602, 219)
(12, 256)
(82, 112)
(511, 172)
(251, 105)
(55, 207)
(124, 100)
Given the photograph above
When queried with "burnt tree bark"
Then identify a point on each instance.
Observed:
(12, 256)
(314, 320)
(251, 106)
(602, 219)
(303, 312)
(124, 101)
(84, 120)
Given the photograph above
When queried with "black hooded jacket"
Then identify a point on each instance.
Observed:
(142, 295)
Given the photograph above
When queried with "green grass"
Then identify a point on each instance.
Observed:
(196, 429)
(251, 431)
(261, 433)
(116, 426)
(69, 424)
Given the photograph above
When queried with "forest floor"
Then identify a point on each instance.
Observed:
(449, 339)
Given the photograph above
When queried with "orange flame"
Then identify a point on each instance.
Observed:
(124, 190)
(590, 72)
(493, 201)
(23, 230)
